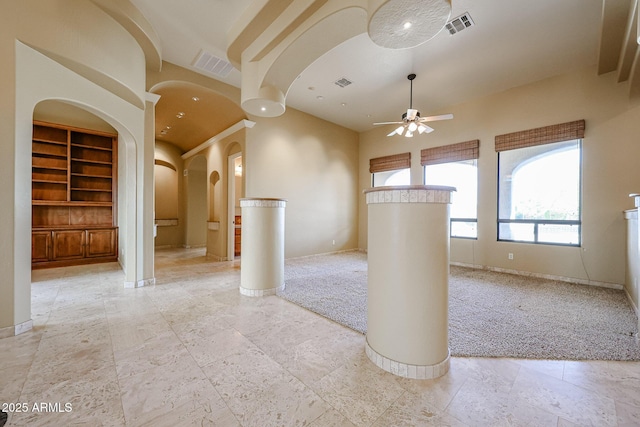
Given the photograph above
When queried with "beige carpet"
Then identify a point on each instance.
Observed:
(490, 314)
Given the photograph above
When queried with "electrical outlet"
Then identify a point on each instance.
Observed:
(510, 256)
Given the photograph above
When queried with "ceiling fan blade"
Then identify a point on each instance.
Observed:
(434, 118)
(411, 114)
(422, 128)
(388, 123)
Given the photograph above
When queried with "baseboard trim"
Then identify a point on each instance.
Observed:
(633, 305)
(405, 370)
(260, 292)
(20, 328)
(573, 280)
(140, 283)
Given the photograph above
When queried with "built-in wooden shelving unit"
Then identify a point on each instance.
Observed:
(74, 194)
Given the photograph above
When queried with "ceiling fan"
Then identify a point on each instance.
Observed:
(411, 120)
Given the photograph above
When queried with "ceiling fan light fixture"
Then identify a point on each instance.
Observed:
(411, 120)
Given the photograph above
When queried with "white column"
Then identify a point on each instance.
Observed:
(408, 280)
(145, 272)
(262, 265)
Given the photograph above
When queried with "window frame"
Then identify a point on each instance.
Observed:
(391, 163)
(526, 140)
(453, 220)
(454, 153)
(393, 172)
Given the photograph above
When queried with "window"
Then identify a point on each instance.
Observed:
(464, 201)
(539, 186)
(396, 177)
(456, 166)
(390, 170)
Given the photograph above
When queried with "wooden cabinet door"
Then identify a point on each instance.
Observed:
(101, 243)
(68, 244)
(40, 246)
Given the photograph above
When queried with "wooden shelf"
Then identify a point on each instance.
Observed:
(49, 167)
(97, 162)
(90, 189)
(48, 181)
(91, 176)
(74, 185)
(50, 141)
(67, 204)
(69, 227)
(91, 147)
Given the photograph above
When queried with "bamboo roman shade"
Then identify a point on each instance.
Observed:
(467, 150)
(544, 135)
(389, 163)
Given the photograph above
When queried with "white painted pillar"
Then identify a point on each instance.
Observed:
(145, 272)
(408, 280)
(262, 264)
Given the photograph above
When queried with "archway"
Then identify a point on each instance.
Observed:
(235, 177)
(74, 187)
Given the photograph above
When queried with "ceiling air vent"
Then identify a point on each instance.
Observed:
(343, 82)
(213, 64)
(460, 23)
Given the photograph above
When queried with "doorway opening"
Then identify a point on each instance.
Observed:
(235, 190)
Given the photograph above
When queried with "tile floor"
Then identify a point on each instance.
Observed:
(192, 351)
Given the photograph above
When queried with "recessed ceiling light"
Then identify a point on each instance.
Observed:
(167, 127)
(263, 108)
(407, 25)
(320, 97)
(344, 104)
(180, 115)
(195, 98)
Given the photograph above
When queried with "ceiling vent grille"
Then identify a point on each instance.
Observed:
(213, 64)
(460, 23)
(343, 82)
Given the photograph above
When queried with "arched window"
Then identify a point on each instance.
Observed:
(539, 191)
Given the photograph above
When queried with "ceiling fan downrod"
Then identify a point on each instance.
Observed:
(411, 77)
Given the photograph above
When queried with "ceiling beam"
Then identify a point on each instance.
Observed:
(225, 133)
(132, 20)
(612, 32)
(629, 44)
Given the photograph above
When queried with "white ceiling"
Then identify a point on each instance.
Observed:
(512, 43)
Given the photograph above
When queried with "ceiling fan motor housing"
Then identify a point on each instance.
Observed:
(405, 119)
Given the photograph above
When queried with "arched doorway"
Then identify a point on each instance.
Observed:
(235, 192)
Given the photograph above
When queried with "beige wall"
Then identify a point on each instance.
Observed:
(312, 164)
(166, 187)
(196, 184)
(610, 152)
(167, 193)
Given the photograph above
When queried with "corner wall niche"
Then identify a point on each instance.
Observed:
(74, 194)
